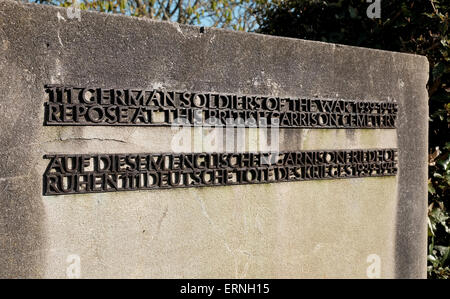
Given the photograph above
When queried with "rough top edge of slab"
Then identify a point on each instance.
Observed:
(421, 59)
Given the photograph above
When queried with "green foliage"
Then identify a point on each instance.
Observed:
(438, 212)
(413, 26)
(234, 14)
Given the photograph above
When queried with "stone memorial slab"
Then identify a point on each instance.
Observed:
(133, 148)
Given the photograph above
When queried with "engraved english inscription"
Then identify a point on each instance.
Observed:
(75, 106)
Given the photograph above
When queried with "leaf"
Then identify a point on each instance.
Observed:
(437, 175)
(444, 162)
(431, 258)
(353, 12)
(431, 189)
(431, 229)
(438, 70)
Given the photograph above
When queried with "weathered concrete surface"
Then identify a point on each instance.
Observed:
(304, 229)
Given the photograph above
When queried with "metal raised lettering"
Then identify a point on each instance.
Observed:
(73, 174)
(84, 106)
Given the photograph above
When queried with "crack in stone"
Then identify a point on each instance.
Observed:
(204, 212)
(4, 179)
(161, 220)
(93, 138)
(63, 140)
(233, 252)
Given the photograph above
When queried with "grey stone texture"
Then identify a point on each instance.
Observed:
(302, 229)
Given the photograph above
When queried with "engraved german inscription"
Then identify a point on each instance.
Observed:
(68, 174)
